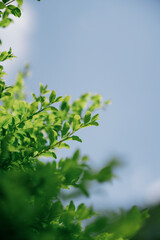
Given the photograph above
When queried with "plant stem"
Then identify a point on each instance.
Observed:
(55, 144)
(41, 110)
(9, 2)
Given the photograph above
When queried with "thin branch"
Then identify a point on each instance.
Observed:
(27, 119)
(55, 144)
(10, 2)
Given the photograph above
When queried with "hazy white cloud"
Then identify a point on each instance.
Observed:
(18, 36)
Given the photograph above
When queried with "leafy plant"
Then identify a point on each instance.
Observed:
(31, 202)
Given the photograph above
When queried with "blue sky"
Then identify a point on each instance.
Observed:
(111, 48)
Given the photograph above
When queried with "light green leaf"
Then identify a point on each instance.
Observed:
(49, 154)
(108, 102)
(83, 212)
(41, 88)
(76, 122)
(85, 158)
(62, 145)
(33, 107)
(5, 121)
(5, 22)
(20, 2)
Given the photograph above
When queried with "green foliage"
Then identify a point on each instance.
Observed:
(151, 229)
(31, 199)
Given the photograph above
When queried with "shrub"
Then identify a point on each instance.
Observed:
(31, 203)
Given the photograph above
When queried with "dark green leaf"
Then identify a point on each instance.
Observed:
(52, 96)
(71, 206)
(87, 117)
(76, 155)
(65, 129)
(2, 5)
(76, 138)
(94, 123)
(16, 12)
(11, 7)
(95, 117)
(52, 135)
(58, 99)
(5, 1)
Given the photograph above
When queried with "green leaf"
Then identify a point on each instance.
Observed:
(41, 88)
(85, 158)
(106, 173)
(108, 102)
(33, 107)
(5, 1)
(76, 155)
(75, 138)
(11, 7)
(62, 145)
(2, 5)
(6, 55)
(87, 117)
(20, 2)
(83, 212)
(3, 56)
(76, 123)
(52, 96)
(5, 22)
(52, 135)
(95, 117)
(49, 154)
(16, 12)
(5, 121)
(52, 108)
(65, 129)
(7, 94)
(72, 206)
(58, 99)
(94, 124)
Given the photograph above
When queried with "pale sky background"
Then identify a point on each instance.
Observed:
(111, 48)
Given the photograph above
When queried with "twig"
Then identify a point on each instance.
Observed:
(55, 144)
(9, 2)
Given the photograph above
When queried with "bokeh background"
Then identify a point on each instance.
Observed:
(106, 47)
